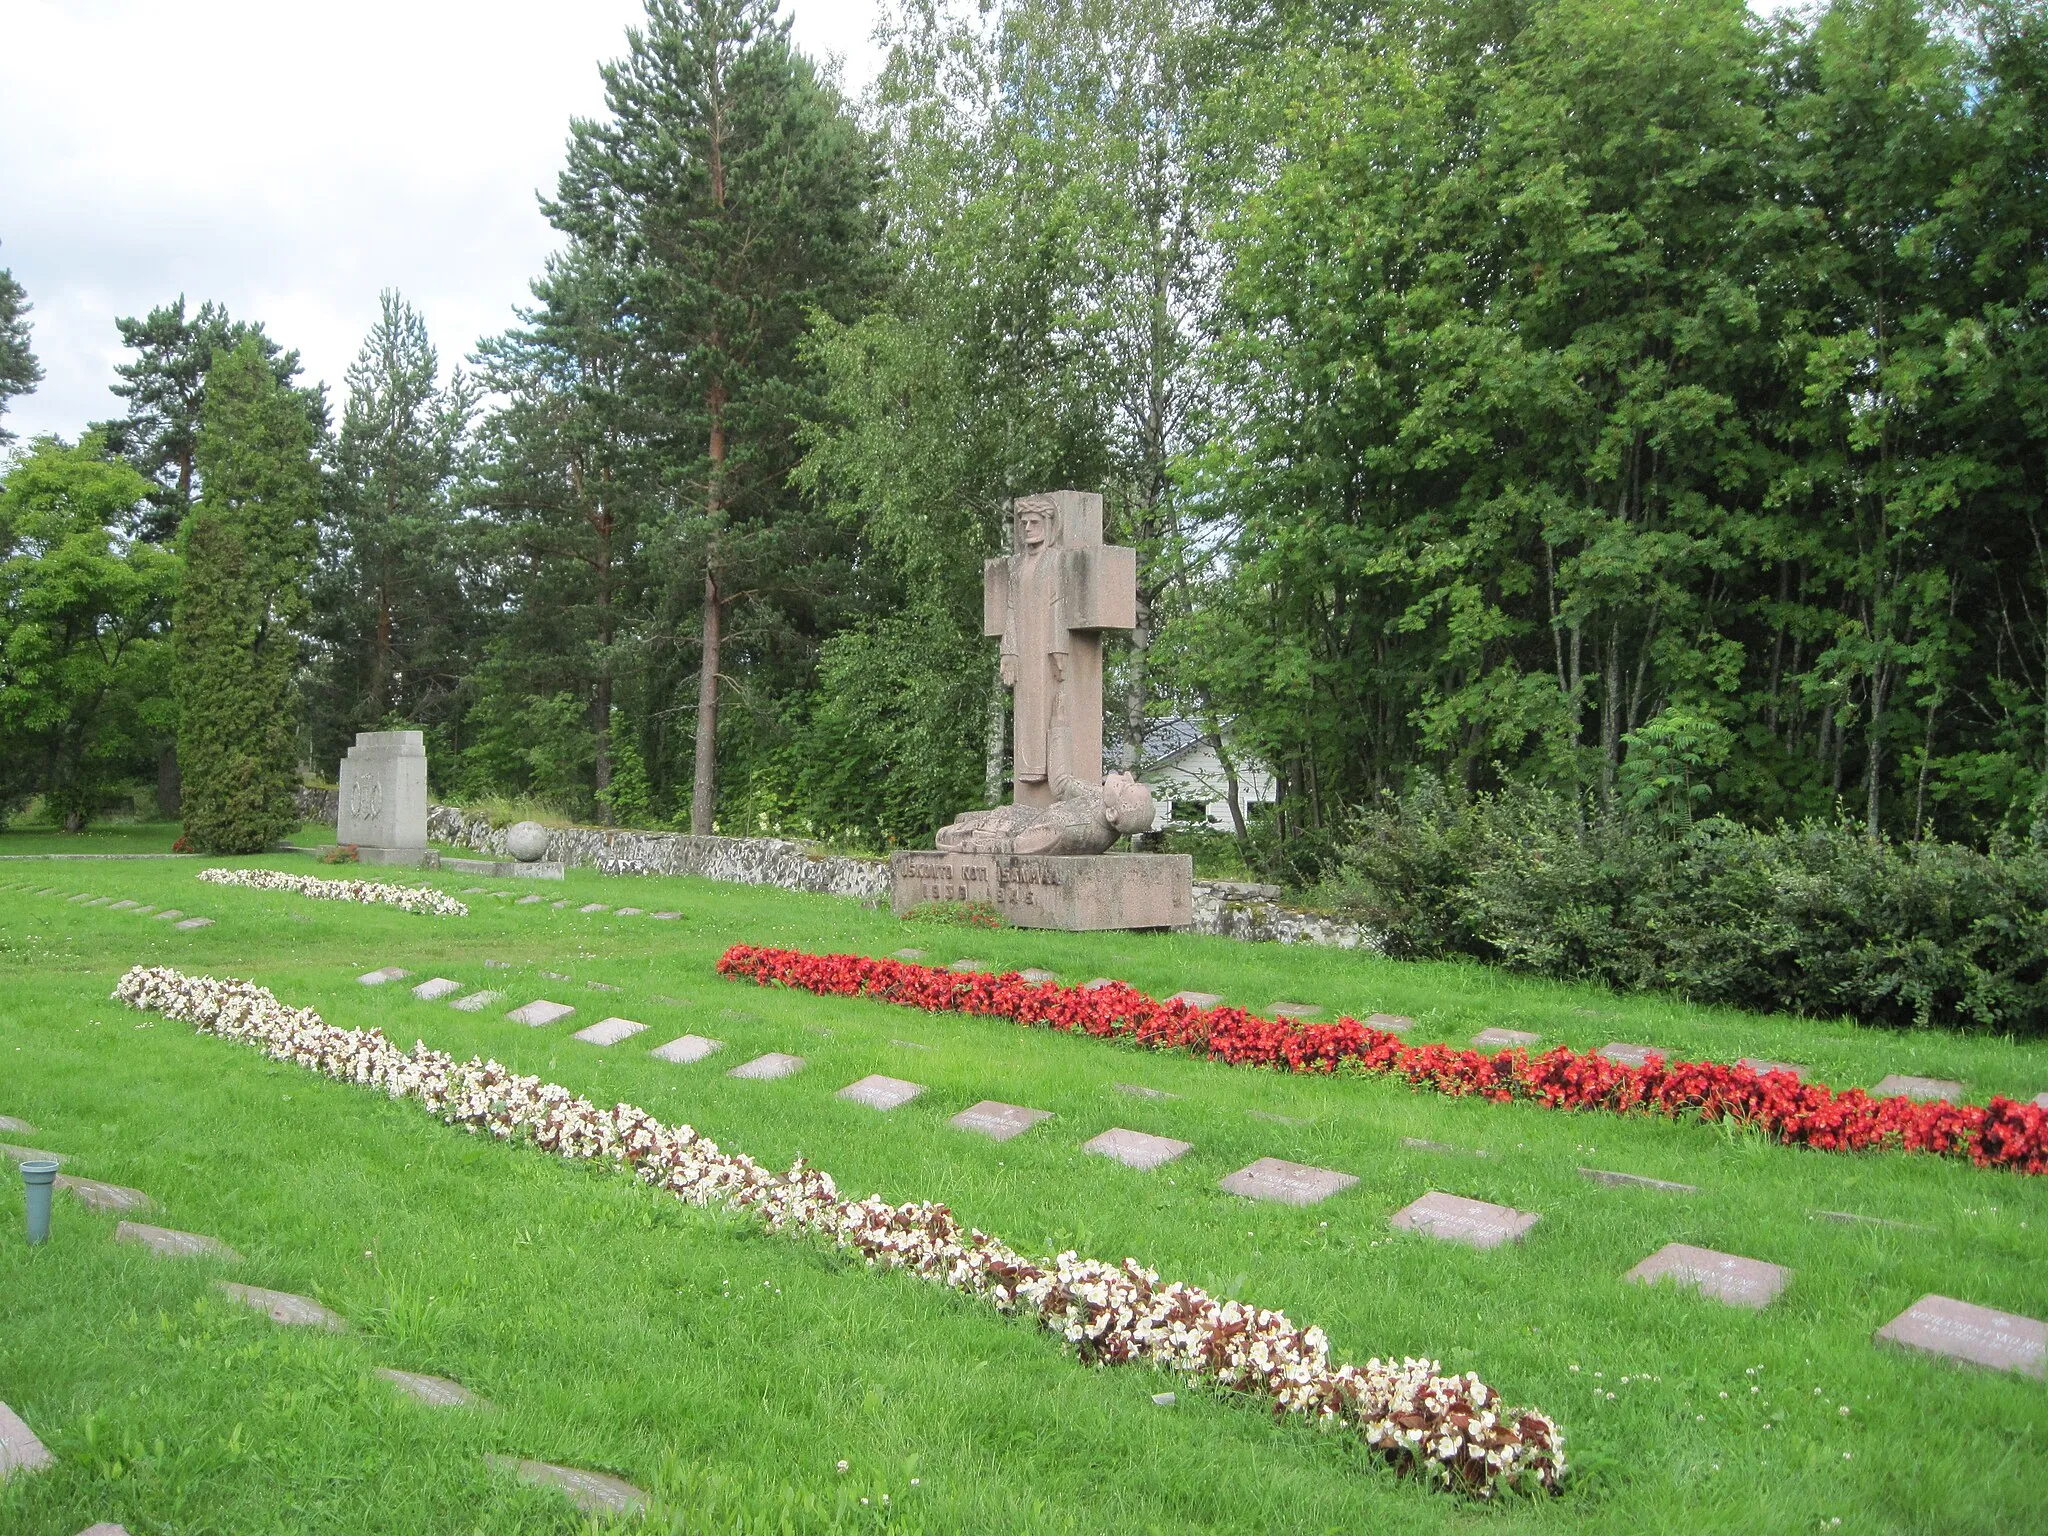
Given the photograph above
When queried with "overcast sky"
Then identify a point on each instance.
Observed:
(291, 160)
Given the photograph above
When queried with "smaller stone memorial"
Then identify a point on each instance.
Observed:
(1454, 1219)
(283, 1307)
(382, 807)
(1919, 1088)
(879, 1092)
(596, 1493)
(438, 988)
(1270, 1178)
(686, 1049)
(609, 1031)
(105, 1197)
(20, 1450)
(1726, 1277)
(540, 1012)
(1502, 1039)
(998, 1121)
(1631, 1055)
(173, 1245)
(1637, 1181)
(767, 1067)
(477, 1002)
(377, 978)
(1941, 1325)
(1196, 999)
(1134, 1149)
(434, 1391)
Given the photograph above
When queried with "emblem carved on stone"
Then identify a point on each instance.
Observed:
(366, 797)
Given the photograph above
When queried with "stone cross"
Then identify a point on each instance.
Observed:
(1050, 602)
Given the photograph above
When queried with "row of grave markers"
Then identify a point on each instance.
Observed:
(171, 915)
(1936, 1324)
(589, 908)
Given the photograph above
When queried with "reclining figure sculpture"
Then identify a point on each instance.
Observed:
(1083, 819)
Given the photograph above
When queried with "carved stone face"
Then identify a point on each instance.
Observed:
(1032, 526)
(1035, 526)
(1127, 805)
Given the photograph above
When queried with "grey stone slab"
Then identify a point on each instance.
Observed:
(1099, 983)
(1392, 1023)
(1164, 1399)
(1273, 1119)
(1637, 1181)
(540, 1012)
(1134, 1149)
(142, 911)
(666, 1001)
(122, 906)
(1272, 1178)
(772, 1065)
(998, 1121)
(81, 896)
(378, 977)
(1455, 1219)
(104, 1528)
(1762, 1067)
(476, 1002)
(32, 1154)
(500, 895)
(880, 1092)
(1037, 976)
(1424, 1144)
(908, 954)
(15, 1127)
(1631, 1055)
(593, 906)
(282, 1306)
(556, 976)
(1196, 999)
(174, 1245)
(1855, 1219)
(664, 917)
(1140, 1091)
(910, 1045)
(629, 912)
(596, 1493)
(167, 915)
(99, 901)
(602, 986)
(2041, 1101)
(970, 965)
(609, 1031)
(1293, 1010)
(685, 1049)
(194, 922)
(497, 965)
(472, 890)
(106, 1197)
(1503, 1039)
(434, 1391)
(20, 1450)
(381, 802)
(556, 906)
(433, 991)
(1920, 1088)
(529, 900)
(1726, 1277)
(1960, 1330)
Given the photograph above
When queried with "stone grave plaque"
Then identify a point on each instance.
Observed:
(497, 965)
(1271, 1178)
(1941, 1325)
(1196, 999)
(434, 1391)
(666, 1001)
(554, 976)
(529, 900)
(144, 911)
(664, 917)
(685, 1049)
(1140, 1091)
(283, 1306)
(167, 915)
(20, 1450)
(879, 1092)
(1099, 983)
(609, 1031)
(772, 1065)
(433, 991)
(601, 986)
(1761, 1067)
(1630, 1055)
(1726, 1277)
(969, 966)
(1454, 1219)
(908, 954)
(596, 1493)
(1637, 1181)
(377, 978)
(477, 1002)
(174, 1245)
(1919, 1088)
(1392, 1023)
(629, 912)
(998, 1121)
(1037, 976)
(556, 906)
(540, 1012)
(104, 1528)
(2041, 1101)
(121, 906)
(81, 896)
(472, 890)
(1134, 1149)
(1424, 1144)
(593, 906)
(1854, 1219)
(194, 922)
(33, 1154)
(105, 1197)
(1293, 1010)
(99, 901)
(1502, 1039)
(16, 1127)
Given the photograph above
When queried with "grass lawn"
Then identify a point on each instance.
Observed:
(727, 1371)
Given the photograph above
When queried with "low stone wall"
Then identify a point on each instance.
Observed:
(1223, 908)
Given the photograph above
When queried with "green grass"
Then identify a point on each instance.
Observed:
(728, 1371)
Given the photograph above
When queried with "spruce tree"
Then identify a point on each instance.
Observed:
(19, 370)
(248, 548)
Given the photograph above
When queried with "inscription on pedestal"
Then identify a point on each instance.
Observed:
(1073, 893)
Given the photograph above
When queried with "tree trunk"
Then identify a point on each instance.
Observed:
(1235, 800)
(169, 789)
(704, 786)
(1134, 688)
(601, 708)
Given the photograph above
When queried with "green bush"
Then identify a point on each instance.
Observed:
(1814, 919)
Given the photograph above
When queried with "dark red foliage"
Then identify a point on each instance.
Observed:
(2002, 1134)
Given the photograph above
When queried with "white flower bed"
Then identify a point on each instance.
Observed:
(1452, 1429)
(407, 898)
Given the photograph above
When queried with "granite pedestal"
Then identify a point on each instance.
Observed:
(1073, 893)
(382, 807)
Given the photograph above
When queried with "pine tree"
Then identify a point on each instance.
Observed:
(19, 370)
(248, 548)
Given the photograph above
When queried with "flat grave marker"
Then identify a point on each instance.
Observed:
(2041, 1101)
(194, 922)
(1630, 1055)
(666, 1001)
(167, 915)
(880, 1092)
(1959, 1330)
(1037, 975)
(497, 965)
(1502, 1039)
(1424, 1144)
(529, 900)
(32, 1154)
(99, 901)
(664, 917)
(434, 1391)
(174, 1245)
(1763, 1067)
(122, 906)
(20, 1450)
(1637, 1181)
(593, 906)
(81, 896)
(477, 1002)
(609, 1031)
(540, 1012)
(16, 1127)
(1920, 1089)
(105, 1197)
(1140, 1091)
(1099, 983)
(1856, 1219)
(1455, 1219)
(998, 1121)
(1134, 1149)
(556, 906)
(555, 976)
(908, 954)
(283, 1307)
(104, 1528)
(142, 911)
(472, 890)
(378, 977)
(602, 986)
(767, 1067)
(1392, 1023)
(1726, 1277)
(594, 1493)
(629, 912)
(433, 991)
(1196, 999)
(687, 1049)
(969, 966)
(1272, 1178)
(1293, 1010)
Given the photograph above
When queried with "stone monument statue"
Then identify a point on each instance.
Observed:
(1044, 860)
(383, 801)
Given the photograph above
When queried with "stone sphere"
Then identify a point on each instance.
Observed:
(527, 842)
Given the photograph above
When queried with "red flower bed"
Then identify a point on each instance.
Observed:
(2002, 1134)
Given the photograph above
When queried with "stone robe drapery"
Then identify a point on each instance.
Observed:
(1034, 632)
